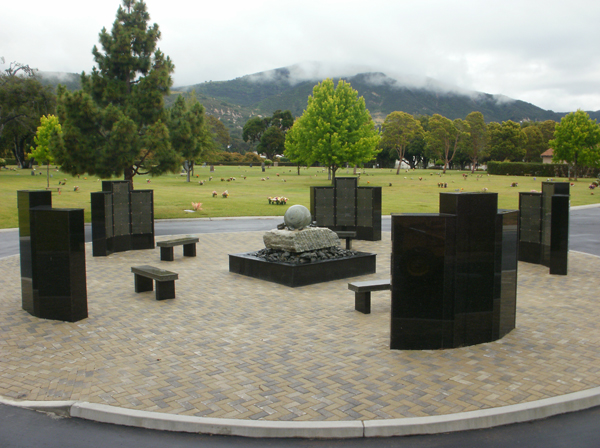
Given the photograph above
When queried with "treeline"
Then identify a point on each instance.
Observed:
(422, 140)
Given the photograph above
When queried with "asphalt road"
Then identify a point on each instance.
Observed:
(25, 428)
(584, 229)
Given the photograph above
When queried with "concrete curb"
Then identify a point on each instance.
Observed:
(485, 418)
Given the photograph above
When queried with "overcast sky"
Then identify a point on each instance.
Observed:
(543, 52)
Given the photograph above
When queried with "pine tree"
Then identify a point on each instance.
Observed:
(116, 125)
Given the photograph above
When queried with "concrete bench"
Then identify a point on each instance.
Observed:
(348, 235)
(362, 293)
(165, 281)
(166, 247)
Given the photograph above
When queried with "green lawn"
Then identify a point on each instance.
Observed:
(408, 192)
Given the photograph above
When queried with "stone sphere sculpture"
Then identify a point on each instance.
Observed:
(297, 217)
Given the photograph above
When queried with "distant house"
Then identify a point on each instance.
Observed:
(547, 156)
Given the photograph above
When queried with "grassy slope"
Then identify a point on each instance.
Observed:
(248, 197)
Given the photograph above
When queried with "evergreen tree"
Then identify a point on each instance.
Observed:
(116, 124)
(188, 131)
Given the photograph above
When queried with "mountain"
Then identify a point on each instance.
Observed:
(235, 101)
(266, 92)
(262, 93)
(72, 81)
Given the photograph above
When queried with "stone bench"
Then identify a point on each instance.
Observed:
(362, 293)
(348, 235)
(166, 247)
(165, 281)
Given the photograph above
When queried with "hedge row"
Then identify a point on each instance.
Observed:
(244, 164)
(538, 169)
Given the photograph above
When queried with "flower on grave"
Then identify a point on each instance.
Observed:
(225, 194)
(201, 182)
(514, 184)
(214, 193)
(222, 179)
(278, 200)
(210, 178)
(197, 206)
(76, 188)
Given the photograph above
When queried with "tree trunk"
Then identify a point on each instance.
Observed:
(128, 174)
(400, 157)
(48, 174)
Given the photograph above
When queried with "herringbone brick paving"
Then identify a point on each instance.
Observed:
(236, 347)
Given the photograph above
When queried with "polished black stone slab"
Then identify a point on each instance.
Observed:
(559, 238)
(122, 219)
(347, 207)
(52, 248)
(295, 275)
(26, 200)
(544, 227)
(530, 227)
(422, 272)
(58, 253)
(506, 271)
(454, 273)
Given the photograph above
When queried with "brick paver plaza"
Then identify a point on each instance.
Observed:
(236, 347)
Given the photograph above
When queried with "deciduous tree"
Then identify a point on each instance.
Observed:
(399, 130)
(269, 132)
(336, 128)
(47, 135)
(444, 137)
(577, 141)
(477, 139)
(254, 129)
(116, 125)
(23, 100)
(507, 141)
(535, 145)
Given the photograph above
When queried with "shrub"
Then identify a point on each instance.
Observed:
(535, 169)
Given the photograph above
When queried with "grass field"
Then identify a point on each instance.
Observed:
(408, 192)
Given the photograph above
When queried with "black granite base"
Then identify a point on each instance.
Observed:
(294, 275)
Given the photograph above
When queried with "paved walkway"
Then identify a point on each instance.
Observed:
(230, 346)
